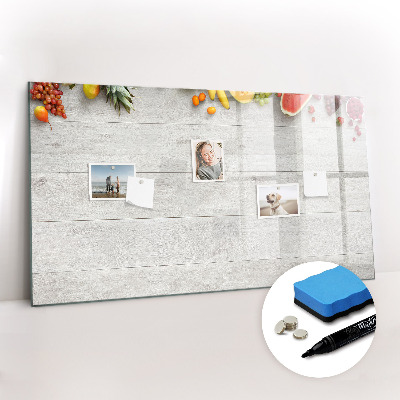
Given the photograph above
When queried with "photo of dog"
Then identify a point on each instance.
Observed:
(276, 208)
(278, 200)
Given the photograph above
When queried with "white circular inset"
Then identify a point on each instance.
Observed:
(288, 350)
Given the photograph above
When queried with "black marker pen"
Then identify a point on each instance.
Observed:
(344, 336)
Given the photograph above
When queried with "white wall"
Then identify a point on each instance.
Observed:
(336, 47)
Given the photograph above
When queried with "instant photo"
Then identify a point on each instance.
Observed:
(207, 160)
(109, 181)
(274, 201)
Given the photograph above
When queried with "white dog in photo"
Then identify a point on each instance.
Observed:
(276, 208)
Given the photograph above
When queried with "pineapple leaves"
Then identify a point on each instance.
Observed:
(125, 102)
(124, 91)
(120, 95)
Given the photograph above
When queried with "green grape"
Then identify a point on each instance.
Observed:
(264, 95)
(261, 98)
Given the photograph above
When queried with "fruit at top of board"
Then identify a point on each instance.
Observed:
(293, 103)
(332, 104)
(119, 96)
(211, 94)
(211, 110)
(262, 98)
(91, 91)
(223, 99)
(242, 97)
(42, 115)
(355, 109)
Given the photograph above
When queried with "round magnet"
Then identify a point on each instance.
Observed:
(300, 333)
(280, 327)
(291, 322)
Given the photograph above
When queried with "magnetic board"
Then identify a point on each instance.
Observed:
(197, 237)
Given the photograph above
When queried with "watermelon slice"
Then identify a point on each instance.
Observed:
(292, 103)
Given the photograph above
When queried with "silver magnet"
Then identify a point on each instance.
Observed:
(280, 327)
(300, 333)
(291, 322)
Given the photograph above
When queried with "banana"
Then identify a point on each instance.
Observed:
(211, 93)
(223, 99)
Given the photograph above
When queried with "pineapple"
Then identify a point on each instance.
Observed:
(119, 95)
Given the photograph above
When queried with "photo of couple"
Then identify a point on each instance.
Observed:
(110, 186)
(109, 181)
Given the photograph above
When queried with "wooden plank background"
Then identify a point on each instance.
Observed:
(198, 238)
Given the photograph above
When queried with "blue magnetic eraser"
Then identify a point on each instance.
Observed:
(332, 294)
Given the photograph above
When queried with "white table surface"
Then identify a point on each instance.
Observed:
(177, 347)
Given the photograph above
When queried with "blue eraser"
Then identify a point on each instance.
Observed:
(332, 294)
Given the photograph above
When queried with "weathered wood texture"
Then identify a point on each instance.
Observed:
(125, 283)
(163, 241)
(199, 237)
(57, 197)
(72, 145)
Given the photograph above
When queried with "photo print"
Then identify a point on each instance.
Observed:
(109, 181)
(278, 200)
(207, 160)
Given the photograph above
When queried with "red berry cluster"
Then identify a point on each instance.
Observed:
(339, 121)
(50, 95)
